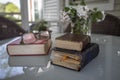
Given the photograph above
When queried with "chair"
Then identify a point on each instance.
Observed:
(109, 26)
(9, 29)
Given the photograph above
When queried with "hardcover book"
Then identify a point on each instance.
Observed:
(72, 59)
(28, 61)
(72, 41)
(39, 47)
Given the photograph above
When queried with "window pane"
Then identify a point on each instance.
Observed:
(8, 4)
(35, 10)
(10, 9)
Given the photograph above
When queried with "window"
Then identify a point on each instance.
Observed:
(34, 10)
(30, 11)
(11, 10)
(25, 11)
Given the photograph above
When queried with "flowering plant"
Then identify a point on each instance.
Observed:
(81, 18)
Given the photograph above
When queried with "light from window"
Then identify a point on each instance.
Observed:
(10, 9)
(34, 10)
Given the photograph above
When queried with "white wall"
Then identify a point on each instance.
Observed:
(116, 10)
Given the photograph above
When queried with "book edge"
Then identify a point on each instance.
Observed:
(46, 53)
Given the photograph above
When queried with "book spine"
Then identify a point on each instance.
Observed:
(86, 41)
(89, 54)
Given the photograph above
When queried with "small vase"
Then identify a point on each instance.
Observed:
(84, 29)
(72, 28)
(89, 28)
(76, 29)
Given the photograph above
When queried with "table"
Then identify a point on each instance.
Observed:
(104, 67)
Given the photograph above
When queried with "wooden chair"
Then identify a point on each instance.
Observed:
(109, 26)
(9, 29)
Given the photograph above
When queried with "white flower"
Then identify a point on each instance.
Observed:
(103, 13)
(64, 16)
(83, 10)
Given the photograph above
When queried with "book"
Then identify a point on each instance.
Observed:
(73, 59)
(28, 61)
(39, 47)
(72, 41)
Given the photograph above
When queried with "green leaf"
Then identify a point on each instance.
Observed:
(40, 26)
(83, 3)
(95, 15)
(73, 12)
(99, 15)
(95, 9)
(66, 9)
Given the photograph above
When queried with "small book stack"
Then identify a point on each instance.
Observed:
(29, 46)
(73, 51)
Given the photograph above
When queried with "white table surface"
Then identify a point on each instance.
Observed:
(106, 66)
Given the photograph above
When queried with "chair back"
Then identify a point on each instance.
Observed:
(109, 26)
(9, 29)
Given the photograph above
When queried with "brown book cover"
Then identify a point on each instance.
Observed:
(72, 41)
(39, 47)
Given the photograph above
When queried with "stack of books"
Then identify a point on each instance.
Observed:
(29, 51)
(30, 46)
(73, 51)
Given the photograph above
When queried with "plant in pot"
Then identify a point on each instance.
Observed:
(41, 29)
(81, 19)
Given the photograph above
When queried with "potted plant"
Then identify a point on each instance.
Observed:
(81, 18)
(41, 28)
(41, 25)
